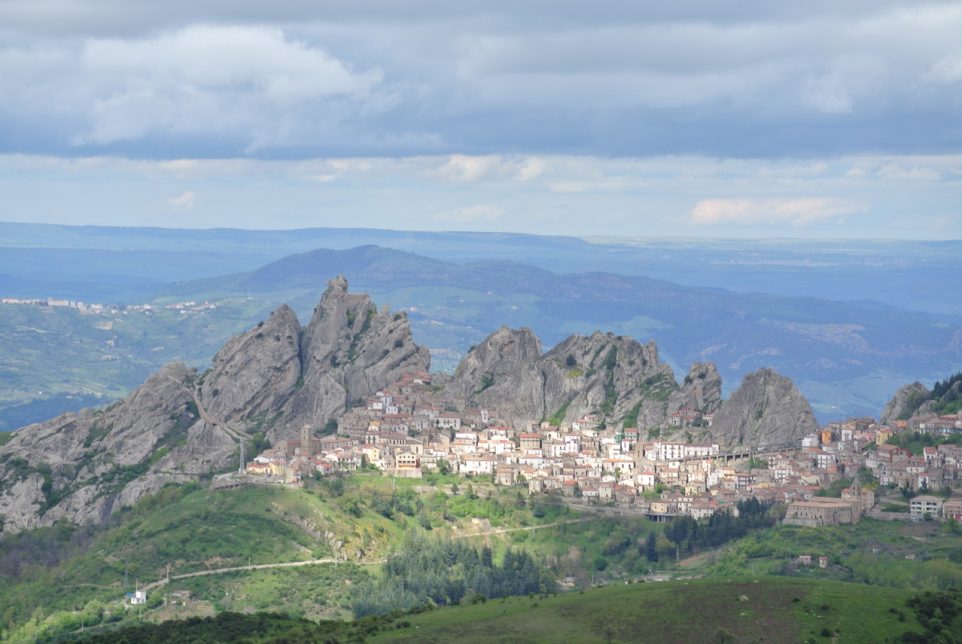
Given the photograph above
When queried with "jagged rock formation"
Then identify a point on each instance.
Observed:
(904, 403)
(767, 410)
(917, 400)
(178, 426)
(604, 374)
(278, 376)
(81, 466)
(348, 351)
(255, 372)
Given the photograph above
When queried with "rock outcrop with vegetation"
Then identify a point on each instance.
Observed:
(179, 426)
(916, 399)
(82, 466)
(278, 376)
(613, 377)
(904, 403)
(767, 410)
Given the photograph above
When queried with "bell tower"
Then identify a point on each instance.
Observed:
(306, 441)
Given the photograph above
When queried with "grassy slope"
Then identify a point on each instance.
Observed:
(201, 529)
(906, 555)
(766, 609)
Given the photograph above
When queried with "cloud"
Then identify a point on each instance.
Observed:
(470, 169)
(629, 197)
(207, 78)
(253, 85)
(184, 201)
(796, 212)
(481, 213)
(910, 173)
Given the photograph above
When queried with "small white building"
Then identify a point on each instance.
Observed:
(137, 597)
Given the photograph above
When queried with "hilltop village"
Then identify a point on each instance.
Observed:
(408, 429)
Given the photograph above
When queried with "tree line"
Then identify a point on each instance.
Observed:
(439, 571)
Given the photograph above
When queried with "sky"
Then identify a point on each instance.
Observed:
(693, 119)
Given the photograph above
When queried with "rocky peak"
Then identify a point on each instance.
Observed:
(601, 374)
(904, 403)
(767, 410)
(349, 350)
(255, 371)
(701, 390)
(504, 352)
(176, 426)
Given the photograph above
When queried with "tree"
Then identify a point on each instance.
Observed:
(651, 547)
(678, 531)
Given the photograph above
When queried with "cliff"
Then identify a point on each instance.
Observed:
(179, 425)
(611, 376)
(767, 410)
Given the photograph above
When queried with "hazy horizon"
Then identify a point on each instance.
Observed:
(632, 119)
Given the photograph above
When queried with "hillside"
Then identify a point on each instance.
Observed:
(237, 541)
(342, 528)
(763, 609)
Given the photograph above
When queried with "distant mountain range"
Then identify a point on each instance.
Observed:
(847, 357)
(849, 321)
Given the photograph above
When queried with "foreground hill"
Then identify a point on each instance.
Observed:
(764, 609)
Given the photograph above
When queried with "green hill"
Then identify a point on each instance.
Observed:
(763, 610)
(58, 578)
(230, 551)
(746, 610)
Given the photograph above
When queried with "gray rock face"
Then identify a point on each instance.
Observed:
(83, 466)
(278, 376)
(177, 427)
(767, 410)
(612, 376)
(349, 350)
(256, 371)
(904, 403)
(701, 390)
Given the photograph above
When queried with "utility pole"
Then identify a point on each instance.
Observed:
(125, 574)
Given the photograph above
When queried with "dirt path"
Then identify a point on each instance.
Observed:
(286, 564)
(529, 528)
(330, 560)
